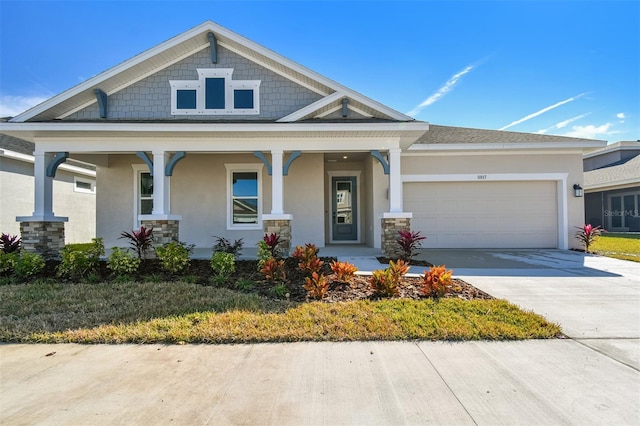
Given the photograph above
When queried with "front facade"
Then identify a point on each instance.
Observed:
(612, 187)
(211, 134)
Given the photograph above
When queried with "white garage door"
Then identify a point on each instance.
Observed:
(484, 214)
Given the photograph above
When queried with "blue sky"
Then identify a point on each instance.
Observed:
(557, 67)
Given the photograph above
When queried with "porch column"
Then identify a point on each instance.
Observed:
(166, 227)
(278, 222)
(277, 183)
(395, 219)
(42, 232)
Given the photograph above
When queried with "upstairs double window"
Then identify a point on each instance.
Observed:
(215, 93)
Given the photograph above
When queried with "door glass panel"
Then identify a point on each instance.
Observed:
(343, 203)
(628, 209)
(616, 211)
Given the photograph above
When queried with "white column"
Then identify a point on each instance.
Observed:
(160, 184)
(277, 183)
(395, 181)
(43, 186)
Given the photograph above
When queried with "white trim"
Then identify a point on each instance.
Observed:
(612, 186)
(30, 159)
(243, 167)
(397, 215)
(137, 216)
(472, 146)
(559, 178)
(345, 173)
(90, 182)
(311, 108)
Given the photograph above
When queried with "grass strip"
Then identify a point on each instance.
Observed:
(180, 312)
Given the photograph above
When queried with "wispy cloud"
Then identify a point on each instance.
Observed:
(542, 111)
(591, 131)
(448, 86)
(563, 124)
(10, 106)
(620, 115)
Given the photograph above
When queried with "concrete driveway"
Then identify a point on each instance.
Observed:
(592, 377)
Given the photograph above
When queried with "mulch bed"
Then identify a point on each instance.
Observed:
(199, 271)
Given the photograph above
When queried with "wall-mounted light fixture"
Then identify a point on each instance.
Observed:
(577, 190)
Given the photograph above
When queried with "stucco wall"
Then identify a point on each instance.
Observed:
(199, 194)
(488, 164)
(150, 98)
(17, 199)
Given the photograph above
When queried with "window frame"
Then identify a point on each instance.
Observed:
(230, 86)
(138, 169)
(243, 168)
(91, 182)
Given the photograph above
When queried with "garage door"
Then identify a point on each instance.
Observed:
(484, 214)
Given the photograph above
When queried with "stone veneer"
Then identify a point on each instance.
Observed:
(164, 231)
(45, 238)
(390, 228)
(282, 227)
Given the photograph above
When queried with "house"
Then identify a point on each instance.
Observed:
(211, 134)
(74, 187)
(612, 187)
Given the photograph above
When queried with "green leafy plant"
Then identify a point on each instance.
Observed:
(436, 282)
(307, 257)
(274, 270)
(245, 285)
(123, 262)
(409, 244)
(27, 265)
(223, 265)
(224, 245)
(279, 290)
(140, 240)
(386, 282)
(174, 256)
(344, 271)
(587, 234)
(7, 260)
(10, 244)
(316, 285)
(78, 263)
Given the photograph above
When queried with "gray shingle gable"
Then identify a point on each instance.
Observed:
(626, 172)
(455, 135)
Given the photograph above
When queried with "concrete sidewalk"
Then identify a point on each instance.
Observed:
(593, 377)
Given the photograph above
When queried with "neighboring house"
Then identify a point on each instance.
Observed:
(74, 191)
(212, 134)
(612, 187)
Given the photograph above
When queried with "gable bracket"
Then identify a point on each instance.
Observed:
(145, 157)
(385, 165)
(214, 50)
(292, 157)
(101, 97)
(168, 170)
(52, 166)
(262, 158)
(345, 107)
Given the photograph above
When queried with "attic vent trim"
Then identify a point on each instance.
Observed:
(102, 98)
(345, 107)
(213, 43)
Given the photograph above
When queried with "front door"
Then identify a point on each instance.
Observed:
(344, 209)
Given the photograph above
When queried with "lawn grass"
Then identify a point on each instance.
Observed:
(175, 312)
(619, 246)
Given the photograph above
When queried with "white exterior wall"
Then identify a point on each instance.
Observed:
(16, 199)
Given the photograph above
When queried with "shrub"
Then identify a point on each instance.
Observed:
(273, 270)
(224, 245)
(264, 254)
(139, 240)
(308, 258)
(223, 264)
(398, 268)
(344, 271)
(245, 285)
(436, 282)
(27, 264)
(78, 263)
(279, 291)
(123, 262)
(316, 285)
(7, 261)
(386, 282)
(409, 243)
(272, 242)
(587, 235)
(174, 256)
(10, 244)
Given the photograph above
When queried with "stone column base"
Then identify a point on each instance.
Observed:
(390, 228)
(282, 227)
(44, 238)
(164, 231)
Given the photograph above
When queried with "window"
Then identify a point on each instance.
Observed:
(84, 185)
(142, 192)
(244, 200)
(215, 93)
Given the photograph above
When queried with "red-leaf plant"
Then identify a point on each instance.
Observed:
(588, 234)
(272, 241)
(316, 285)
(344, 270)
(308, 258)
(10, 244)
(409, 244)
(140, 240)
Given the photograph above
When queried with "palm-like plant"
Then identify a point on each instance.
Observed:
(140, 240)
(587, 234)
